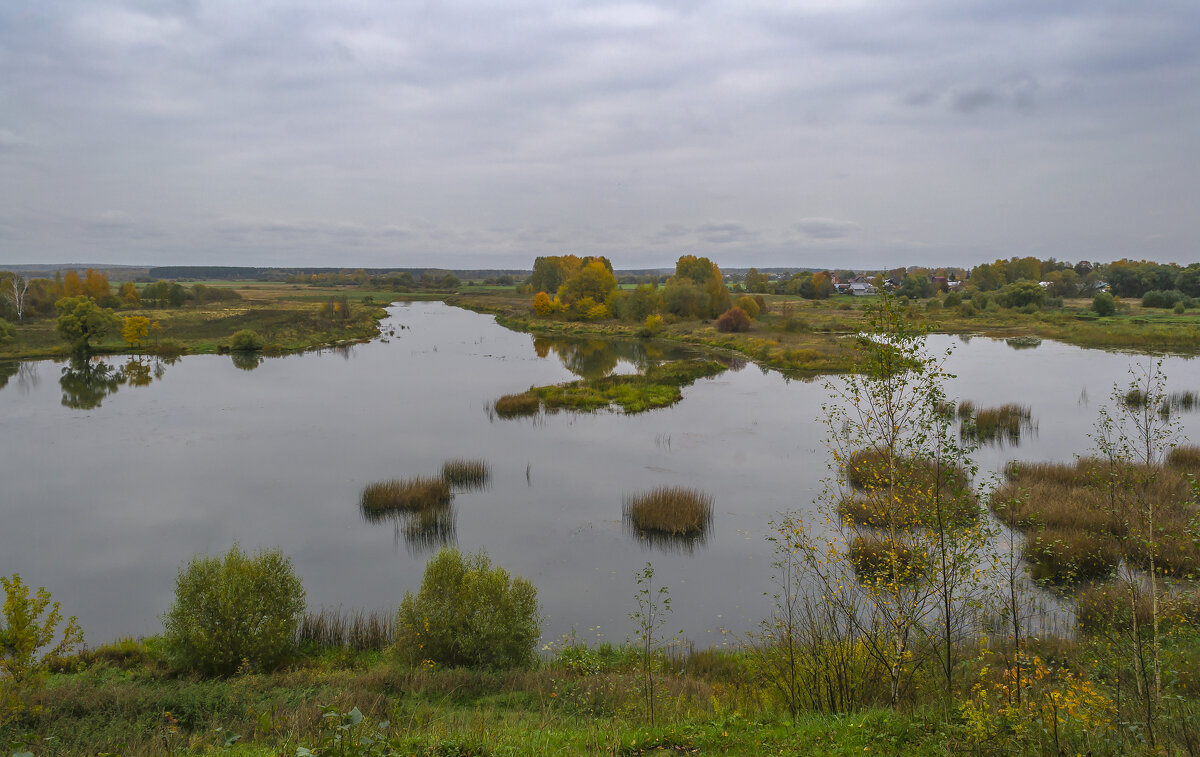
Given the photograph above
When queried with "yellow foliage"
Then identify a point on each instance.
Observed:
(542, 305)
(1040, 699)
(135, 329)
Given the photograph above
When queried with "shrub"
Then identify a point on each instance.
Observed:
(652, 326)
(733, 320)
(877, 559)
(246, 340)
(1161, 298)
(953, 300)
(234, 610)
(28, 627)
(543, 306)
(1104, 304)
(468, 613)
(750, 305)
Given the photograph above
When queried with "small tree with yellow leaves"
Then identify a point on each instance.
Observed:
(28, 630)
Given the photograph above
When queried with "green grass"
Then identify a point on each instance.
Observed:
(659, 386)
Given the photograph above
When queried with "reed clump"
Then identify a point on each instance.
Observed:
(517, 405)
(414, 493)
(1084, 517)
(1186, 457)
(466, 474)
(355, 630)
(670, 511)
(1004, 423)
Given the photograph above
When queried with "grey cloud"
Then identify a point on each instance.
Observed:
(725, 233)
(825, 228)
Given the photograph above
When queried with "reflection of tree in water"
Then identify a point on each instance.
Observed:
(85, 384)
(597, 358)
(8, 369)
(247, 361)
(423, 530)
(137, 372)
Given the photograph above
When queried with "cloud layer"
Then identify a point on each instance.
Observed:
(464, 134)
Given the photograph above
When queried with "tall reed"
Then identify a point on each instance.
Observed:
(466, 474)
(670, 510)
(356, 630)
(404, 494)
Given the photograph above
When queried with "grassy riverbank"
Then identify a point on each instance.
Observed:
(813, 337)
(288, 317)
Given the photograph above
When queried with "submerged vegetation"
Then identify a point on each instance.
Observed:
(1005, 423)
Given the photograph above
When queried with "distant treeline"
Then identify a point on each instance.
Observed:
(247, 273)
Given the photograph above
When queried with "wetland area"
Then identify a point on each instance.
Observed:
(119, 479)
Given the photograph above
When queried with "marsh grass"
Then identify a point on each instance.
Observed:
(414, 493)
(466, 474)
(1082, 518)
(517, 405)
(428, 529)
(670, 511)
(354, 630)
(1005, 423)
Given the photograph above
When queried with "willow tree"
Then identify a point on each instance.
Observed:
(898, 539)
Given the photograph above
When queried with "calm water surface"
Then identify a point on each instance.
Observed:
(106, 488)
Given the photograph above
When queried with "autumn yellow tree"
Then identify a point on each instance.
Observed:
(135, 329)
(129, 295)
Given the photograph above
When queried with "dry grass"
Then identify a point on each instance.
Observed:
(414, 493)
(670, 511)
(997, 424)
(1185, 457)
(517, 406)
(467, 474)
(1093, 513)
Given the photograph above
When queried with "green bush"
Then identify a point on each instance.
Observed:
(233, 610)
(468, 613)
(246, 340)
(1104, 304)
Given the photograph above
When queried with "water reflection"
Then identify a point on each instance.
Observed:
(86, 383)
(597, 358)
(8, 369)
(424, 530)
(247, 361)
(683, 544)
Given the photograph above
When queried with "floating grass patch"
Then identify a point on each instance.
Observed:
(659, 386)
(357, 630)
(1005, 423)
(670, 511)
(466, 474)
(517, 405)
(413, 493)
(877, 559)
(1082, 518)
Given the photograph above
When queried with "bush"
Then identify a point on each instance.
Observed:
(750, 305)
(1161, 298)
(234, 610)
(246, 340)
(468, 613)
(1104, 304)
(733, 320)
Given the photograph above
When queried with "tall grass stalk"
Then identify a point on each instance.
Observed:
(670, 510)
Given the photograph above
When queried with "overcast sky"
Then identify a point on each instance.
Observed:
(481, 134)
